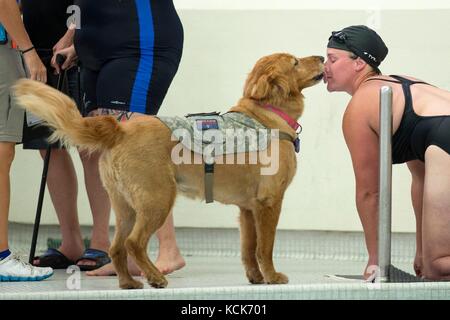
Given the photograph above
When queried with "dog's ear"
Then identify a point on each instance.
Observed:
(280, 86)
(258, 89)
(268, 86)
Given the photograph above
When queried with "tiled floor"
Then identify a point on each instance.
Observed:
(215, 272)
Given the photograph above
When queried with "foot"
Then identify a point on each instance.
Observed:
(158, 282)
(277, 278)
(255, 276)
(109, 270)
(131, 284)
(96, 258)
(169, 261)
(372, 270)
(418, 264)
(166, 263)
(72, 252)
(90, 263)
(13, 269)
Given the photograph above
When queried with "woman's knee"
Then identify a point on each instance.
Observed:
(7, 154)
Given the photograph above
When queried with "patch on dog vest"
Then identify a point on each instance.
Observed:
(216, 134)
(206, 124)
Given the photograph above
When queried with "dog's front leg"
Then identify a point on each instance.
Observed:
(266, 218)
(248, 247)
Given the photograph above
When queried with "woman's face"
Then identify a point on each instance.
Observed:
(339, 70)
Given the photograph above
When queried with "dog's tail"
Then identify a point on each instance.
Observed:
(61, 113)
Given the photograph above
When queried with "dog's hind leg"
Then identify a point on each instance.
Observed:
(152, 208)
(248, 247)
(137, 242)
(266, 217)
(125, 220)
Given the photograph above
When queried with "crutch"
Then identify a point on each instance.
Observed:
(59, 60)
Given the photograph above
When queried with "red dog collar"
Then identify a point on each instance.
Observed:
(291, 122)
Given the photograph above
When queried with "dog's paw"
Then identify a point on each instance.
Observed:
(277, 278)
(255, 277)
(131, 284)
(158, 283)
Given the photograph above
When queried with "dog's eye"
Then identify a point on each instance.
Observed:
(295, 62)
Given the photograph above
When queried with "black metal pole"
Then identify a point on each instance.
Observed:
(37, 221)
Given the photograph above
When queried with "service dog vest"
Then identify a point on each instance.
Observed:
(213, 134)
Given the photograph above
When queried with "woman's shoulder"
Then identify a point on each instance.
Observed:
(370, 87)
(367, 92)
(366, 99)
(382, 79)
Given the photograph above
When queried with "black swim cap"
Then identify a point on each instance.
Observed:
(362, 41)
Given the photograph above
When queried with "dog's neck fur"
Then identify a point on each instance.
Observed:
(292, 105)
(253, 109)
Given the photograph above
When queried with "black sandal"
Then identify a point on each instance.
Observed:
(98, 256)
(53, 258)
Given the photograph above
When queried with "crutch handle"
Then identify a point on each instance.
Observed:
(60, 59)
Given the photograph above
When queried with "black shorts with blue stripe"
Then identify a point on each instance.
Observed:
(129, 52)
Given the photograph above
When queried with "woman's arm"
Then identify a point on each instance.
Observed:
(66, 40)
(10, 18)
(66, 48)
(362, 142)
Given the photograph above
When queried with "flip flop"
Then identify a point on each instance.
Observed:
(53, 258)
(98, 256)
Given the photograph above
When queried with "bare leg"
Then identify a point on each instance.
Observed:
(417, 169)
(7, 151)
(109, 270)
(169, 256)
(99, 203)
(63, 188)
(436, 215)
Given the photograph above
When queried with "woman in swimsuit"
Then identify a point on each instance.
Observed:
(421, 139)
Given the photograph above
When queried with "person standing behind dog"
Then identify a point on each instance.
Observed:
(421, 139)
(46, 23)
(129, 53)
(11, 124)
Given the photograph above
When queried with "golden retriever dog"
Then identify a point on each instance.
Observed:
(142, 180)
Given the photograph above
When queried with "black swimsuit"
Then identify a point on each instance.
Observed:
(129, 51)
(416, 133)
